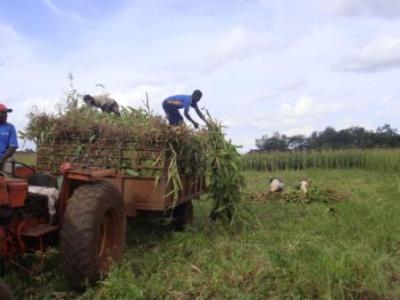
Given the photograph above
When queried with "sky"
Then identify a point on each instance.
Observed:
(262, 65)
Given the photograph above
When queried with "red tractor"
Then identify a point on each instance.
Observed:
(81, 196)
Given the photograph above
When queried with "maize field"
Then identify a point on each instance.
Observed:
(387, 160)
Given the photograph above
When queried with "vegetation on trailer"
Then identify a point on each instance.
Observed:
(137, 143)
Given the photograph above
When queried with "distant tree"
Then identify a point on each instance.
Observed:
(345, 138)
(386, 136)
(297, 142)
(387, 130)
(276, 142)
(329, 138)
(313, 141)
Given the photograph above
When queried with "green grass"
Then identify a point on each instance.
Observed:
(344, 250)
(26, 158)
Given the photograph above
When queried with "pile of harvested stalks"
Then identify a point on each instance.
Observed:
(84, 128)
(315, 195)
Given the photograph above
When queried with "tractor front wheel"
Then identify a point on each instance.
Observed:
(92, 234)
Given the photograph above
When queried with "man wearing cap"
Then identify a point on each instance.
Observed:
(172, 104)
(8, 140)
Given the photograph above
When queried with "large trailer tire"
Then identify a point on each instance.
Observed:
(5, 292)
(183, 215)
(92, 235)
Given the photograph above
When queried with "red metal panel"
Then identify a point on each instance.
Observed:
(17, 191)
(4, 199)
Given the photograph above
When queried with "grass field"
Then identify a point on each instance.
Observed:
(348, 249)
(26, 158)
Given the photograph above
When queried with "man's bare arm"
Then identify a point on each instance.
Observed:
(10, 151)
(186, 113)
(200, 114)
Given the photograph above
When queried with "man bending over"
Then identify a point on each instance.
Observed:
(172, 104)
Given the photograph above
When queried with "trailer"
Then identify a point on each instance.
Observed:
(80, 195)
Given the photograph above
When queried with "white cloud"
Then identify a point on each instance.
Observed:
(234, 40)
(237, 43)
(289, 117)
(306, 129)
(378, 8)
(64, 13)
(302, 107)
(23, 72)
(10, 43)
(303, 115)
(292, 85)
(381, 54)
(136, 97)
(305, 107)
(262, 68)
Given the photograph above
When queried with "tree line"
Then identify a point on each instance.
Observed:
(354, 137)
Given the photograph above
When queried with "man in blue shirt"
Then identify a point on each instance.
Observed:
(8, 139)
(172, 104)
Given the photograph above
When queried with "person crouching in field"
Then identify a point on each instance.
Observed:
(304, 186)
(276, 185)
(172, 104)
(104, 102)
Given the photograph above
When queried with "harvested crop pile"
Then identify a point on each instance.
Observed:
(134, 143)
(326, 195)
(138, 144)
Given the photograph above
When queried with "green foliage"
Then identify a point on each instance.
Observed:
(226, 181)
(372, 159)
(86, 136)
(87, 123)
(118, 286)
(337, 250)
(26, 158)
(39, 127)
(354, 137)
(315, 194)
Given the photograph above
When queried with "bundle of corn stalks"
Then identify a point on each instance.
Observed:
(226, 181)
